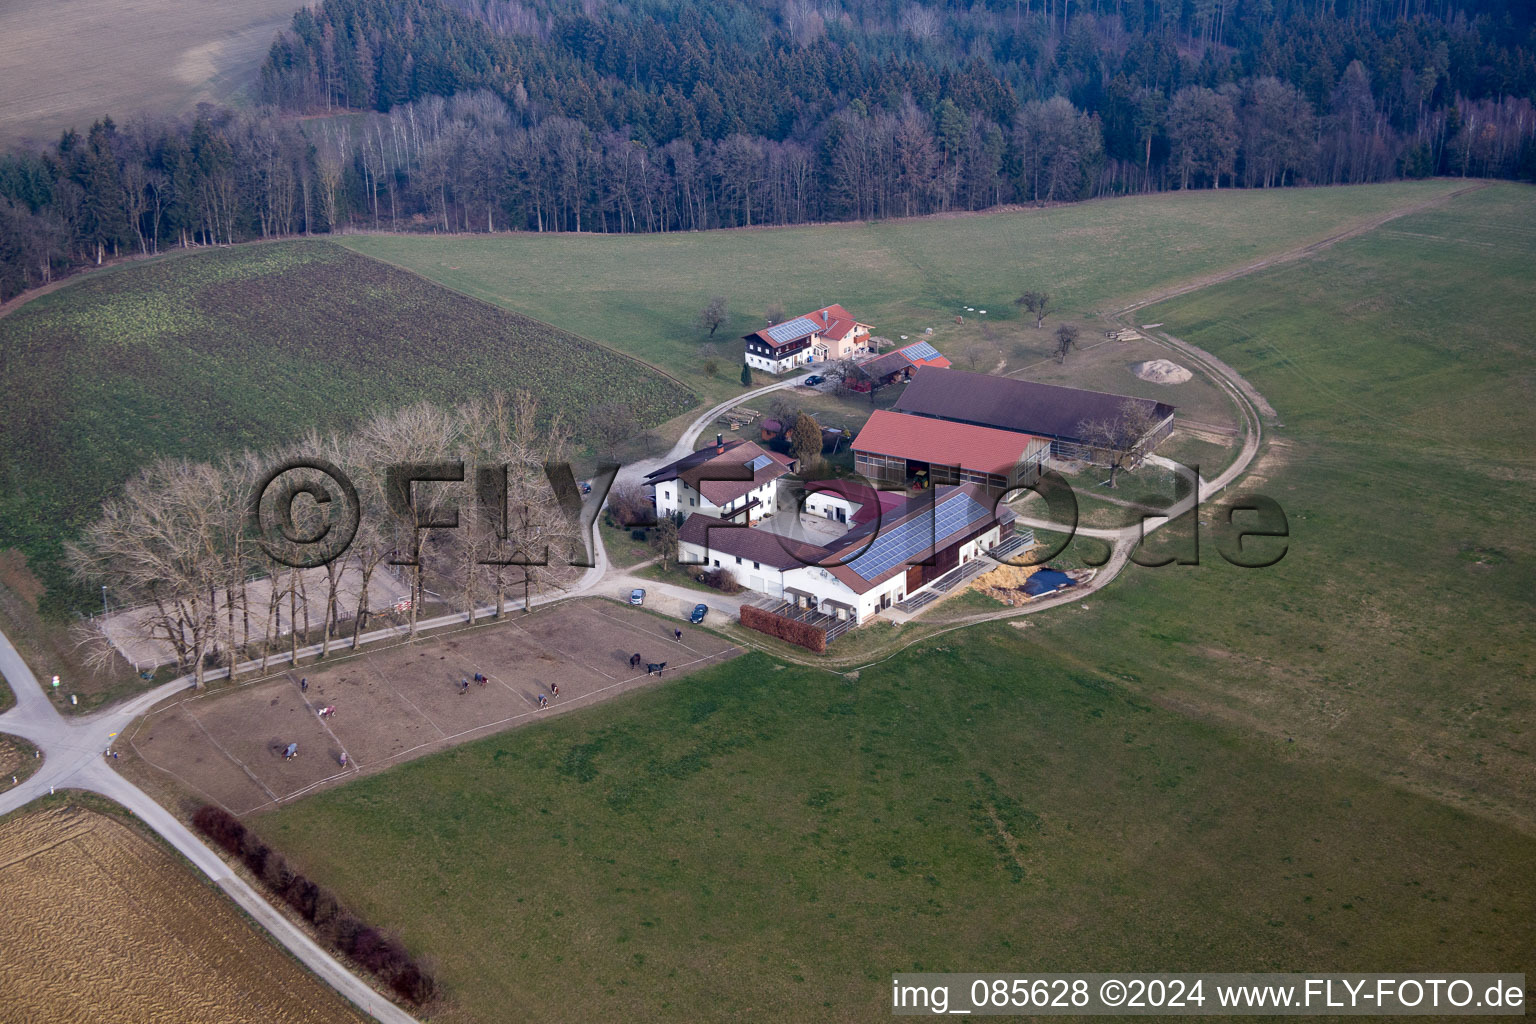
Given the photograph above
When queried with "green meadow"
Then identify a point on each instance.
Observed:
(643, 293)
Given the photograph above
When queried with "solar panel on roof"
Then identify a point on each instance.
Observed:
(790, 330)
(758, 463)
(911, 538)
(922, 350)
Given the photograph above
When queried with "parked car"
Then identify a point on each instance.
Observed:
(699, 611)
(637, 596)
(814, 379)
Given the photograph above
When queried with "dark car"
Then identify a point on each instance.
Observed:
(699, 611)
(814, 379)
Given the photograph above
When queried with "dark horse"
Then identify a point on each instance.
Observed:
(655, 669)
(634, 661)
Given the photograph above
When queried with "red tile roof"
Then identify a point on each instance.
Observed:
(833, 322)
(984, 449)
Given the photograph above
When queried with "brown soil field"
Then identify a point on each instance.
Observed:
(398, 703)
(102, 924)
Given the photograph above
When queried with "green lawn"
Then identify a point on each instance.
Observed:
(202, 354)
(643, 294)
(1397, 633)
(761, 842)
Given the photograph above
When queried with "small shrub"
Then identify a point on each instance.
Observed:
(220, 826)
(254, 852)
(723, 580)
(414, 984)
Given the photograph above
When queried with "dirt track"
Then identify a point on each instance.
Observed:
(1291, 255)
(101, 924)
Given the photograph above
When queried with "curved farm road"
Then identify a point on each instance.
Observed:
(73, 748)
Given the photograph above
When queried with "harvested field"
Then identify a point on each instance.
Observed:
(102, 924)
(398, 703)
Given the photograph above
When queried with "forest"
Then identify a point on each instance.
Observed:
(547, 115)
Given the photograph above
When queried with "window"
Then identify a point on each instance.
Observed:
(692, 501)
(717, 563)
(738, 559)
(756, 566)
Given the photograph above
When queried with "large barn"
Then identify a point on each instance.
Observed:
(1050, 411)
(899, 449)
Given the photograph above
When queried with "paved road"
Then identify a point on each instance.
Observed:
(634, 473)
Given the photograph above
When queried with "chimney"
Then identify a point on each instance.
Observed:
(824, 317)
(719, 443)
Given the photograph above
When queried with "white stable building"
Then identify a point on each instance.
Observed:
(866, 570)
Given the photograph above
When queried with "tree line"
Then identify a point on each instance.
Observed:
(487, 115)
(178, 553)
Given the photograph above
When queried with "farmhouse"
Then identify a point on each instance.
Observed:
(1057, 414)
(730, 480)
(898, 449)
(839, 335)
(827, 334)
(884, 560)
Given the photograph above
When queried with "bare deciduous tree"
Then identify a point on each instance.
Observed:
(1066, 337)
(158, 546)
(1038, 304)
(1119, 441)
(714, 314)
(612, 423)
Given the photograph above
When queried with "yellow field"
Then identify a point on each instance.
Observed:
(101, 924)
(67, 62)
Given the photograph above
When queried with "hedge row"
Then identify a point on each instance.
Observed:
(801, 634)
(376, 952)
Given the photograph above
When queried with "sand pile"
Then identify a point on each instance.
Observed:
(1161, 371)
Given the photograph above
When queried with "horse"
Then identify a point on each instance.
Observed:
(655, 670)
(634, 661)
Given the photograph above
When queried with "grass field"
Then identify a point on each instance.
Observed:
(1397, 634)
(70, 64)
(769, 843)
(643, 294)
(206, 353)
(100, 923)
